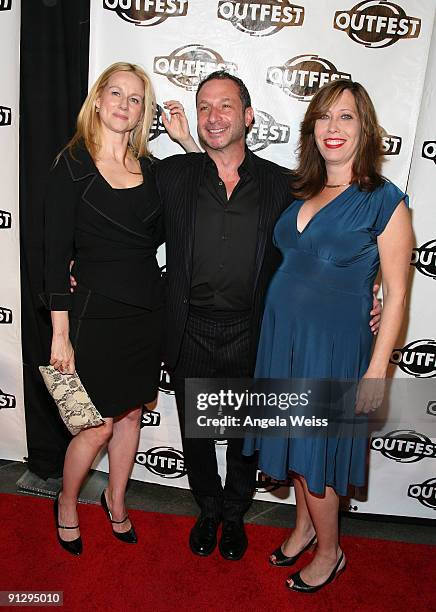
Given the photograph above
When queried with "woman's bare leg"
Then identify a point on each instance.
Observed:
(304, 529)
(80, 454)
(324, 513)
(122, 449)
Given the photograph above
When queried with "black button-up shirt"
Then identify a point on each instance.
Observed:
(225, 240)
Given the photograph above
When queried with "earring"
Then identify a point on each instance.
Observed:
(97, 110)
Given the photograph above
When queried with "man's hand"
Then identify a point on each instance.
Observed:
(176, 123)
(177, 126)
(376, 311)
(73, 282)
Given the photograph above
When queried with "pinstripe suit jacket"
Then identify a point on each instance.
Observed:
(178, 180)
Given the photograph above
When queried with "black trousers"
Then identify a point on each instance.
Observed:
(213, 347)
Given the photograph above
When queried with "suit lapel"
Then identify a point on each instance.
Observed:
(81, 165)
(95, 191)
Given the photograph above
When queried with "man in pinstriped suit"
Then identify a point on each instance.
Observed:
(220, 208)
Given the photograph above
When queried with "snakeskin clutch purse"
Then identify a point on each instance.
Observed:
(75, 406)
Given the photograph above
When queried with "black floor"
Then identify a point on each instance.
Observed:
(170, 500)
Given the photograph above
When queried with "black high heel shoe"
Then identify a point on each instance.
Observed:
(129, 537)
(283, 561)
(300, 586)
(74, 547)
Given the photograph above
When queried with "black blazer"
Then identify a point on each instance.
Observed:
(113, 246)
(178, 180)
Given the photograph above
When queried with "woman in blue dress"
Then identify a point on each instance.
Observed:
(346, 222)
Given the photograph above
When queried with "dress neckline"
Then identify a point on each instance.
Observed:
(118, 188)
(329, 203)
(126, 188)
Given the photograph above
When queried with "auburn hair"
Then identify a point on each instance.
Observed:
(310, 176)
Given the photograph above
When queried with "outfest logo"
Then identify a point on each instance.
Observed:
(266, 484)
(147, 12)
(391, 144)
(429, 150)
(5, 115)
(377, 23)
(157, 127)
(302, 76)
(404, 446)
(5, 315)
(261, 17)
(424, 259)
(165, 384)
(188, 65)
(418, 358)
(431, 408)
(265, 131)
(424, 492)
(5, 5)
(5, 219)
(7, 400)
(163, 461)
(150, 418)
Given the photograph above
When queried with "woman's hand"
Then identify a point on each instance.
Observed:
(177, 126)
(62, 354)
(370, 393)
(376, 311)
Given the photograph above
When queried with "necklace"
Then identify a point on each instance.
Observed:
(338, 185)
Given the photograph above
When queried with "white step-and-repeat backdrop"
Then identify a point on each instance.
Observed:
(284, 52)
(12, 426)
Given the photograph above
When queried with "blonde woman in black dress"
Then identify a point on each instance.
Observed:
(103, 212)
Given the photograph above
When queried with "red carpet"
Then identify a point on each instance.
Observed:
(160, 574)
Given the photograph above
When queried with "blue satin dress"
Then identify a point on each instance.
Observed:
(316, 324)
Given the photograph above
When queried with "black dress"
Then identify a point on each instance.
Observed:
(116, 312)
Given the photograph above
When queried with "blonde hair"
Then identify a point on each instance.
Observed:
(88, 121)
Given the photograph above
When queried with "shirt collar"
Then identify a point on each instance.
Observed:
(247, 166)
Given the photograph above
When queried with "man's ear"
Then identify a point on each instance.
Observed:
(249, 116)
